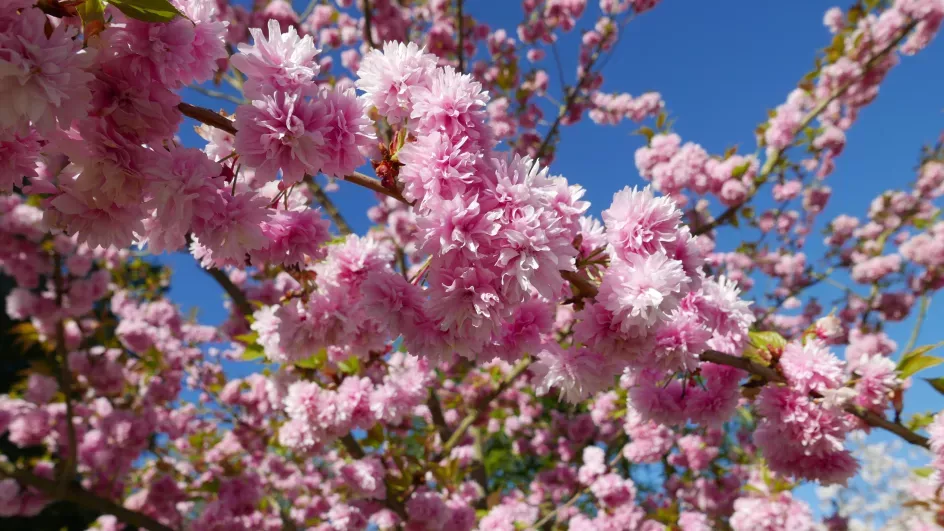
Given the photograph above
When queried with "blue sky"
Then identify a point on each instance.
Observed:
(719, 67)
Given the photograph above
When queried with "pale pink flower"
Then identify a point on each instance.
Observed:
(389, 76)
(284, 62)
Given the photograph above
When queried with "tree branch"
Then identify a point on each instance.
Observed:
(573, 499)
(459, 30)
(239, 298)
(777, 155)
(869, 417)
(208, 117)
(85, 498)
(67, 473)
(368, 29)
(322, 198)
(435, 410)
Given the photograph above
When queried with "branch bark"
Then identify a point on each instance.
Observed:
(869, 417)
(208, 117)
(85, 498)
(459, 30)
(67, 473)
(239, 298)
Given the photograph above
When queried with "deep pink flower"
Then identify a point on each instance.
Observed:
(284, 131)
(44, 79)
(346, 134)
(291, 236)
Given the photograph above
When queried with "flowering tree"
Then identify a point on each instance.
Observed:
(488, 356)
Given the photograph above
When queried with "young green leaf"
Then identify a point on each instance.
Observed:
(147, 10)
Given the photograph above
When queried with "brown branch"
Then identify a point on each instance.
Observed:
(368, 30)
(744, 364)
(322, 198)
(435, 411)
(869, 417)
(208, 117)
(239, 298)
(352, 447)
(67, 473)
(585, 288)
(85, 498)
(777, 155)
(374, 184)
(459, 30)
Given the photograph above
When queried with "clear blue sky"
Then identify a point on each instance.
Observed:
(719, 66)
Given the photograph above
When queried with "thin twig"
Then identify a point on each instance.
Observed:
(916, 331)
(67, 474)
(322, 198)
(87, 499)
(374, 184)
(459, 30)
(368, 31)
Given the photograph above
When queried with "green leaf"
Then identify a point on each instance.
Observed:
(253, 352)
(350, 365)
(646, 132)
(924, 472)
(919, 421)
(147, 10)
(248, 339)
(740, 170)
(919, 351)
(313, 362)
(767, 340)
(937, 384)
(915, 364)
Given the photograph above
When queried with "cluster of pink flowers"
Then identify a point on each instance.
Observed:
(409, 378)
